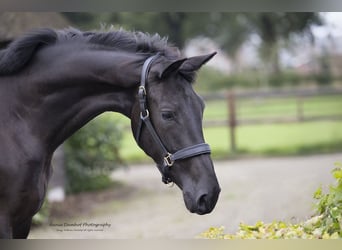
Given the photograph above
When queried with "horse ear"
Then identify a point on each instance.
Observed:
(192, 64)
(171, 68)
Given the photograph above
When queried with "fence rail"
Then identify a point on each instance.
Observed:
(300, 96)
(286, 93)
(258, 121)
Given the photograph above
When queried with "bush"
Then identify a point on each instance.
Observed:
(326, 224)
(286, 79)
(329, 206)
(91, 154)
(42, 216)
(213, 80)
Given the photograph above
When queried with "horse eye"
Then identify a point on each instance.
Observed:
(168, 116)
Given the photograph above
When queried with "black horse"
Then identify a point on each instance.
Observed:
(53, 82)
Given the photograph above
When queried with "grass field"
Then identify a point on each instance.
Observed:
(265, 140)
(278, 139)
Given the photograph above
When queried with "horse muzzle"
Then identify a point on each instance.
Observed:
(203, 202)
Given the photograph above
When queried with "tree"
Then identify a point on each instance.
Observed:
(229, 30)
(178, 26)
(274, 28)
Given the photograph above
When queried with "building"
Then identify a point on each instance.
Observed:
(14, 24)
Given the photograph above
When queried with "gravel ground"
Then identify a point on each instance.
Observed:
(252, 189)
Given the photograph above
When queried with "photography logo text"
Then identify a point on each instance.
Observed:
(80, 226)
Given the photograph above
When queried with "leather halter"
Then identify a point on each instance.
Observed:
(169, 158)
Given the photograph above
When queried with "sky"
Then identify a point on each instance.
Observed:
(328, 36)
(333, 25)
(324, 35)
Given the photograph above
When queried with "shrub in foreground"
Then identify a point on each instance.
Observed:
(325, 224)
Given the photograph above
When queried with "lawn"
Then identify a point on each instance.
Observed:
(278, 139)
(267, 140)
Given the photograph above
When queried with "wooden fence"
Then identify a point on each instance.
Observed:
(232, 98)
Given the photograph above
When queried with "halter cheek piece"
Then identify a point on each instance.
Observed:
(169, 158)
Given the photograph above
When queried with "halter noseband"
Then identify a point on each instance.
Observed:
(169, 158)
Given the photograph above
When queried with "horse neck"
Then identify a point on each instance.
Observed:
(72, 89)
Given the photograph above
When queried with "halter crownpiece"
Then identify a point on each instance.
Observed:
(168, 158)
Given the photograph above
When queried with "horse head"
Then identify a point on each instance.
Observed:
(167, 124)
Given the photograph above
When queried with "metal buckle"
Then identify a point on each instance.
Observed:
(142, 90)
(167, 160)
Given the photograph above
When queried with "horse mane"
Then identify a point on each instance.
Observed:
(18, 54)
(20, 51)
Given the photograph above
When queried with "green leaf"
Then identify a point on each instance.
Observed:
(337, 173)
(318, 193)
(338, 164)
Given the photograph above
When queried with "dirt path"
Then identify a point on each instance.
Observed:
(252, 190)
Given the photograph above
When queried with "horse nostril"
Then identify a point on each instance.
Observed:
(203, 203)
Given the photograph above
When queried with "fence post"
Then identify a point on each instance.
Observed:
(231, 119)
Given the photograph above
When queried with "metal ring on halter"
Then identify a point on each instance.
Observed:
(167, 160)
(143, 117)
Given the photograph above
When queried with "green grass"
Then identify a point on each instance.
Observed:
(278, 139)
(266, 140)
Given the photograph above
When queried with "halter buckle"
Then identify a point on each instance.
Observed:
(167, 160)
(142, 90)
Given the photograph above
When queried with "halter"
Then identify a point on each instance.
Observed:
(169, 158)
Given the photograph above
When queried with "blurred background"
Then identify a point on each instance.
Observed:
(273, 90)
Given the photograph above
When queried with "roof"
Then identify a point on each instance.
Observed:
(13, 24)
